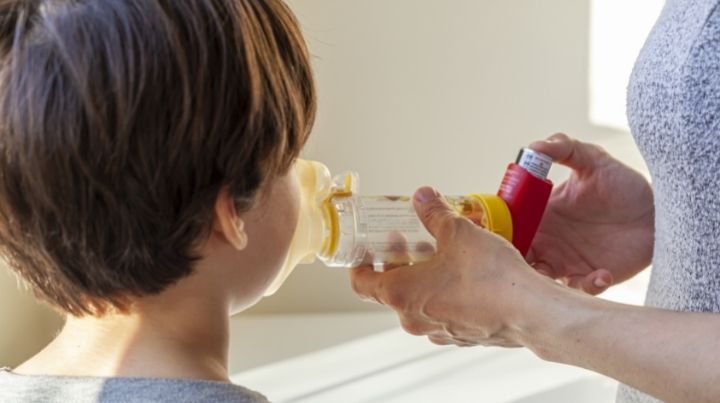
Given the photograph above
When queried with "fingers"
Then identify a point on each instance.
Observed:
(419, 327)
(398, 255)
(434, 212)
(365, 282)
(425, 247)
(594, 283)
(448, 341)
(440, 341)
(567, 151)
(397, 288)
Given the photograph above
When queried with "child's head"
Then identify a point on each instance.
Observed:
(139, 138)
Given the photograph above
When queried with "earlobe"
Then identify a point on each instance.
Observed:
(228, 222)
(242, 241)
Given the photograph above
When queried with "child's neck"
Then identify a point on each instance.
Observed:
(178, 335)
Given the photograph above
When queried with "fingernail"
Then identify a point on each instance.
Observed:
(425, 194)
(600, 283)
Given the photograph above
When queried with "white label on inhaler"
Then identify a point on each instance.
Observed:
(534, 162)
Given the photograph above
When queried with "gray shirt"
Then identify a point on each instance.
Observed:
(58, 389)
(674, 114)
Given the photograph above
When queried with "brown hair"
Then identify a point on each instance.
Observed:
(120, 122)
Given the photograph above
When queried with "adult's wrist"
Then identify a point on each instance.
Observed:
(554, 315)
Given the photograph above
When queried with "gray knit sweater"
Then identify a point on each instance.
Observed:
(674, 113)
(65, 389)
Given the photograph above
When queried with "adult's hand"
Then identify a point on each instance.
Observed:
(599, 225)
(471, 292)
(478, 290)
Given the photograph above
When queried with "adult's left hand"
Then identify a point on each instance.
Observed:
(599, 226)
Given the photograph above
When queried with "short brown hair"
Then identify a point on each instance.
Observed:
(120, 122)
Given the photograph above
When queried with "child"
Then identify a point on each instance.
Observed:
(146, 186)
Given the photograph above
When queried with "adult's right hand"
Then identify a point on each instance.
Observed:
(598, 229)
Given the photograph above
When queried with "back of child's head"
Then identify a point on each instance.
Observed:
(121, 121)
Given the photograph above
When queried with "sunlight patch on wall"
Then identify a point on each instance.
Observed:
(618, 29)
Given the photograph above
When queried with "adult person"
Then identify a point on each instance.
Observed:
(603, 225)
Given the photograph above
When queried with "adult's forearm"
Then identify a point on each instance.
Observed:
(674, 356)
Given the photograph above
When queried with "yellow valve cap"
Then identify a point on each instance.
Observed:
(499, 219)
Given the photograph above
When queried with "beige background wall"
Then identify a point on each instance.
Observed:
(412, 92)
(436, 92)
(25, 325)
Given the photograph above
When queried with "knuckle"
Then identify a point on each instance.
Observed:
(596, 150)
(394, 298)
(449, 226)
(560, 137)
(599, 148)
(356, 287)
(433, 209)
(365, 290)
(593, 289)
(413, 327)
(438, 341)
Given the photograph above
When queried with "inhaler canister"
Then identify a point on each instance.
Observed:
(526, 190)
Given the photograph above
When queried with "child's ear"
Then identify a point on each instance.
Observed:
(227, 222)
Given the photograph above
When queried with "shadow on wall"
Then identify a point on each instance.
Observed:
(27, 325)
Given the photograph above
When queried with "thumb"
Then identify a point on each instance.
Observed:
(433, 211)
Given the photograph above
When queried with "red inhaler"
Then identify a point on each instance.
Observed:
(526, 190)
